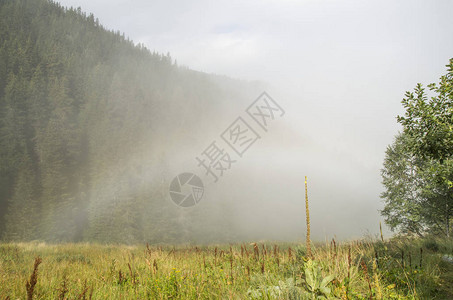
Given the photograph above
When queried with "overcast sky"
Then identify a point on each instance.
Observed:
(339, 68)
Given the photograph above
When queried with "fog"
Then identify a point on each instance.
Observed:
(338, 69)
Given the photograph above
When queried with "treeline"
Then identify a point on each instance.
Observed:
(85, 120)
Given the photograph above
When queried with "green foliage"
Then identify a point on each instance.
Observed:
(402, 210)
(114, 272)
(411, 265)
(417, 199)
(314, 282)
(431, 244)
(429, 123)
(418, 167)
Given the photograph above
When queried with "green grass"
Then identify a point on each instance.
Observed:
(395, 269)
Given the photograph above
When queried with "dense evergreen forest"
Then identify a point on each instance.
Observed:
(86, 121)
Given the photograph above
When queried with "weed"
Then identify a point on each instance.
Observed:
(30, 284)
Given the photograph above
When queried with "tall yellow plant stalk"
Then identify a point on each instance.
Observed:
(380, 229)
(307, 213)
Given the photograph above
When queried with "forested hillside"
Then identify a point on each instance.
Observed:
(86, 121)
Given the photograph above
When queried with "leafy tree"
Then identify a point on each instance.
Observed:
(437, 195)
(418, 168)
(415, 194)
(429, 123)
(402, 209)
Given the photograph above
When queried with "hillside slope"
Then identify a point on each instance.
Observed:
(87, 122)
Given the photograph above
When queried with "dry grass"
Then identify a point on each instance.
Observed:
(30, 284)
(358, 270)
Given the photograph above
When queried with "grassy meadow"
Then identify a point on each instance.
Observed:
(396, 269)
